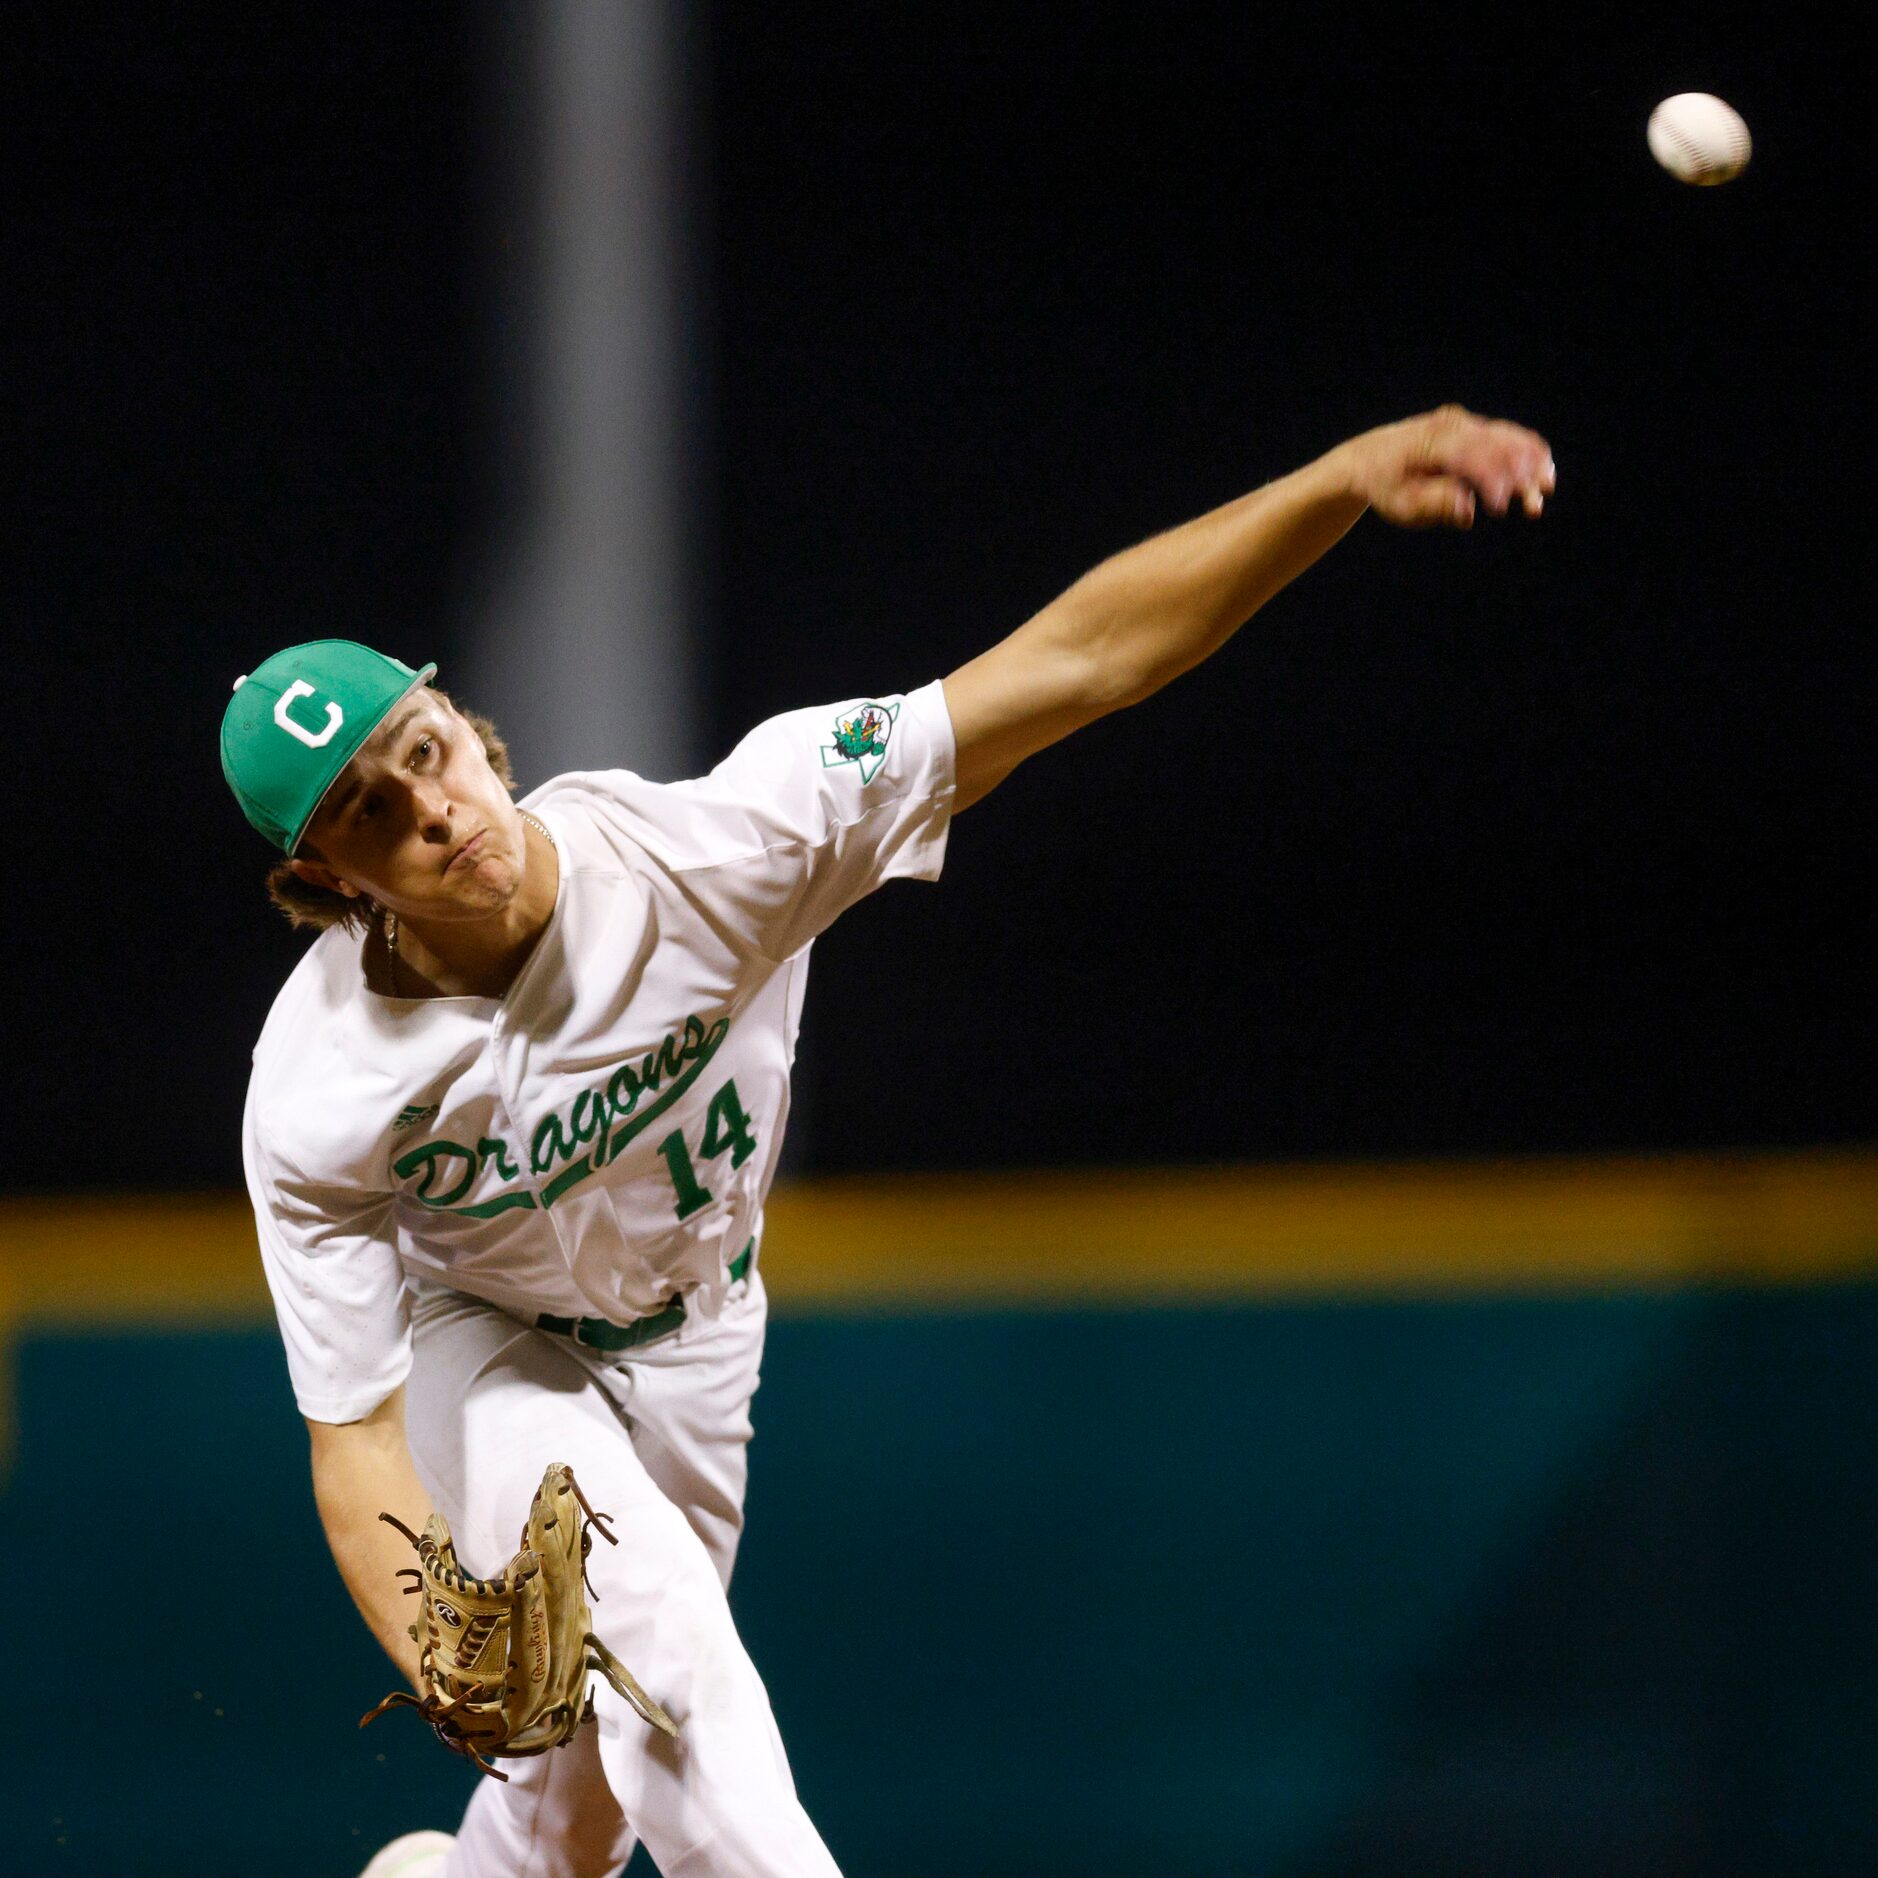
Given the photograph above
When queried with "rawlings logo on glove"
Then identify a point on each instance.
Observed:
(506, 1659)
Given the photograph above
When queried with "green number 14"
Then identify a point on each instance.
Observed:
(725, 1126)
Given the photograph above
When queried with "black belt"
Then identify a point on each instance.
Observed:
(601, 1333)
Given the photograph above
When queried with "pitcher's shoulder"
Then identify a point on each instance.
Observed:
(329, 1059)
(314, 996)
(614, 821)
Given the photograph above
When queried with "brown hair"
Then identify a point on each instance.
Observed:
(320, 907)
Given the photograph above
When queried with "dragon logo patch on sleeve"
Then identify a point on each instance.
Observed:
(861, 736)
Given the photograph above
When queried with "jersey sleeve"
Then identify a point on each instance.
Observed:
(811, 812)
(332, 1266)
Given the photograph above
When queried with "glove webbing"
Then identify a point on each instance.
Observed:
(553, 1726)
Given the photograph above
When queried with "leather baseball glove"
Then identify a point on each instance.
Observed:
(506, 1659)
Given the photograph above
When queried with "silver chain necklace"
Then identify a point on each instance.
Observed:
(390, 926)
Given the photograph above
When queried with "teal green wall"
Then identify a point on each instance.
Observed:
(1467, 1587)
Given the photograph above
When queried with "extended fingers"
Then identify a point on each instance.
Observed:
(1527, 463)
(1500, 461)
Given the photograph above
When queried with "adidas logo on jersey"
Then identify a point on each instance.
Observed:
(410, 1117)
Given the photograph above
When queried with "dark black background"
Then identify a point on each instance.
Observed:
(1539, 838)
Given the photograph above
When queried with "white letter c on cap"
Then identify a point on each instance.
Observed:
(301, 689)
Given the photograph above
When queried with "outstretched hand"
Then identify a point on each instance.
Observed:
(1434, 470)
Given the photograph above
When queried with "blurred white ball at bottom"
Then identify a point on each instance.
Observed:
(1699, 138)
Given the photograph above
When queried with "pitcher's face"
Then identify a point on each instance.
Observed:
(419, 820)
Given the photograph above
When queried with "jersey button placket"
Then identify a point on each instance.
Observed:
(512, 1096)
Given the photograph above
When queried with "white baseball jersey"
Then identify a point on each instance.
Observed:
(602, 1136)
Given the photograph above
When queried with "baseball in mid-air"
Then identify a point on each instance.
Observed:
(1699, 138)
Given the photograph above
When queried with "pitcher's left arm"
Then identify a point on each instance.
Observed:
(1148, 614)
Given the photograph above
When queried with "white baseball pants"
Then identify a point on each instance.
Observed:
(657, 1438)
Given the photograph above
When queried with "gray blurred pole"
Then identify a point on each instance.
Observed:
(580, 644)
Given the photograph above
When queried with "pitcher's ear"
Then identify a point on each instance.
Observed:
(318, 874)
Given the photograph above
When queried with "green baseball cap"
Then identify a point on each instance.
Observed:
(295, 722)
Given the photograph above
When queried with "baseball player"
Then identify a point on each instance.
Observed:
(513, 1117)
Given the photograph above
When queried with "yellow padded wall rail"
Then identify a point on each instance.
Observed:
(1131, 1235)
(1120, 1238)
